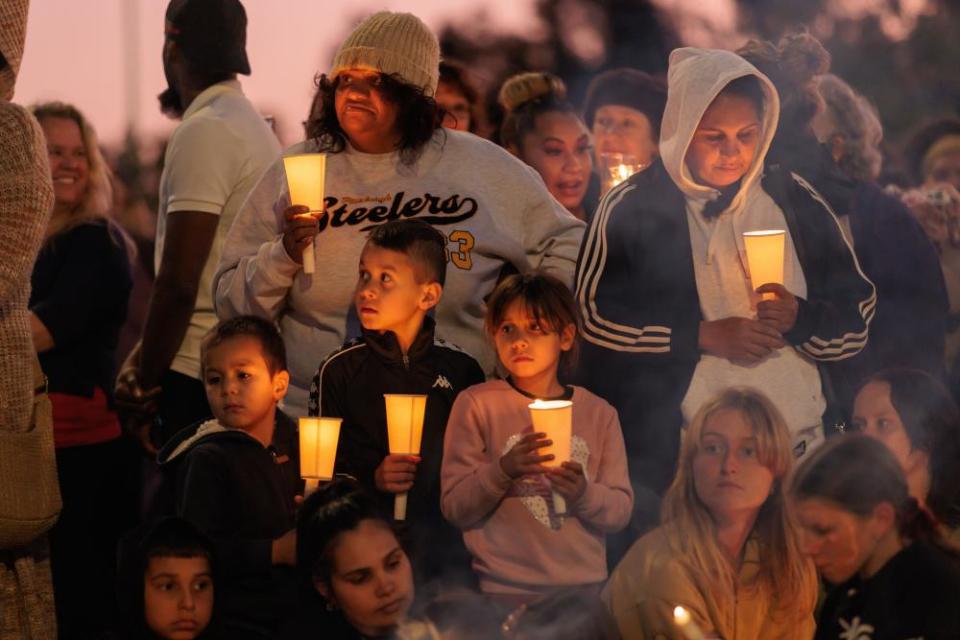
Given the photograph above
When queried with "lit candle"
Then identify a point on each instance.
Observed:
(318, 450)
(765, 257)
(404, 433)
(306, 174)
(554, 418)
(616, 168)
(686, 624)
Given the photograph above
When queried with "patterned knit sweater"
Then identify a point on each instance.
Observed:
(26, 199)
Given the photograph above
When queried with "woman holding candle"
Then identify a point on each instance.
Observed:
(727, 550)
(671, 315)
(623, 110)
(830, 136)
(499, 489)
(80, 287)
(543, 129)
(893, 577)
(388, 157)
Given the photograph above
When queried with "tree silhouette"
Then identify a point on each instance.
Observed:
(575, 40)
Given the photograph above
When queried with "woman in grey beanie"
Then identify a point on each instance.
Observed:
(387, 158)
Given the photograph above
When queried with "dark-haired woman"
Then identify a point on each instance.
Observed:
(458, 98)
(914, 415)
(893, 578)
(671, 316)
(358, 579)
(543, 129)
(388, 158)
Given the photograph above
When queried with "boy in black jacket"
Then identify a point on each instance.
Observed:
(402, 270)
(236, 476)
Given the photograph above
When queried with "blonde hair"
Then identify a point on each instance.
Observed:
(529, 86)
(783, 570)
(857, 121)
(526, 96)
(98, 200)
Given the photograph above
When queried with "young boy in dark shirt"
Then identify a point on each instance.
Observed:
(401, 276)
(236, 476)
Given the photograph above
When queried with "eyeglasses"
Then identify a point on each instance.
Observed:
(611, 126)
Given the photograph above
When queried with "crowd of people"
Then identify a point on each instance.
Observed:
(749, 459)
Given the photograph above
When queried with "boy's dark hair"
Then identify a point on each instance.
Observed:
(172, 537)
(418, 116)
(546, 298)
(420, 242)
(176, 538)
(326, 514)
(746, 87)
(262, 330)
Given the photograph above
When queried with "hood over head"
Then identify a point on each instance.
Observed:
(695, 78)
(13, 31)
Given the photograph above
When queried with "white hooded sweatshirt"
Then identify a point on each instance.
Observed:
(788, 377)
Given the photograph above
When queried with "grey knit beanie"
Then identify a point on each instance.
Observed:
(393, 43)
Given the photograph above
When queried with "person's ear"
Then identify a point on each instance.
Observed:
(324, 590)
(884, 518)
(430, 295)
(917, 460)
(567, 337)
(281, 380)
(838, 147)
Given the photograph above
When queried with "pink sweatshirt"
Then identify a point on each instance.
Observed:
(518, 544)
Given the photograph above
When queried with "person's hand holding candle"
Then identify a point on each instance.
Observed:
(779, 313)
(524, 457)
(396, 473)
(299, 229)
(740, 340)
(569, 481)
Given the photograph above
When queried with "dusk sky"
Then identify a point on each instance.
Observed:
(76, 52)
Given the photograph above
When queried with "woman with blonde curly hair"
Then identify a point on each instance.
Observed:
(81, 284)
(727, 549)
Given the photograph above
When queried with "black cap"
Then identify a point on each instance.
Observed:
(210, 33)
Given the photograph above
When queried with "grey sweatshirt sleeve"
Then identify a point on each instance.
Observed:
(551, 234)
(255, 273)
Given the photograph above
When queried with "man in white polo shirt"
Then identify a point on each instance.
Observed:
(213, 159)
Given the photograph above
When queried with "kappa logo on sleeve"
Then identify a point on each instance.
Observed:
(442, 383)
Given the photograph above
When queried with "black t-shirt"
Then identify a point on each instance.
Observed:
(915, 595)
(80, 287)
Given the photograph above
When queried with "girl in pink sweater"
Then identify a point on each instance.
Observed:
(495, 487)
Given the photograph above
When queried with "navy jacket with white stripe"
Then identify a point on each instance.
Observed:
(640, 307)
(350, 384)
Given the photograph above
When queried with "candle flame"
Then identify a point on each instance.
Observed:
(550, 404)
(681, 616)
